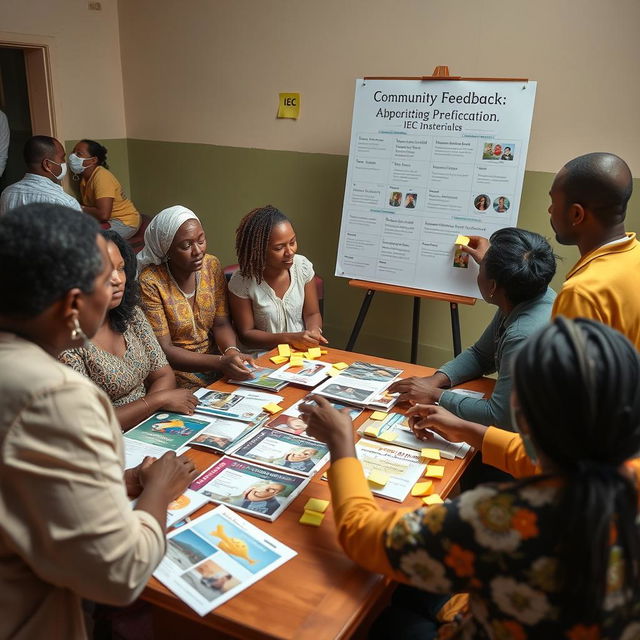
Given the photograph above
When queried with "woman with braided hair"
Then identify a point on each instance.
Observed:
(273, 297)
(554, 555)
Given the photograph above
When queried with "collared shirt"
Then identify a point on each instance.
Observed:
(34, 188)
(67, 530)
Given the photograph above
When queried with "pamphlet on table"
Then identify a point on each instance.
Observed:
(222, 433)
(261, 379)
(241, 404)
(215, 557)
(310, 374)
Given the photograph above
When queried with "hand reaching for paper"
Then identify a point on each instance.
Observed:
(424, 418)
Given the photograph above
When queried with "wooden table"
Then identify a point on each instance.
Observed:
(320, 593)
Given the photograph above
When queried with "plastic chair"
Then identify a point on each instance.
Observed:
(137, 239)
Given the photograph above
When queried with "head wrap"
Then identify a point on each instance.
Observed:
(160, 233)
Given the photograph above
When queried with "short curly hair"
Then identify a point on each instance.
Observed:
(45, 251)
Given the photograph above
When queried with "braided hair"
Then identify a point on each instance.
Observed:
(577, 384)
(252, 240)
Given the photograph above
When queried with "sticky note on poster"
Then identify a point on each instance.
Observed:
(289, 106)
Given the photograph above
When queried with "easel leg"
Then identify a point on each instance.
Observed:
(455, 329)
(360, 319)
(415, 330)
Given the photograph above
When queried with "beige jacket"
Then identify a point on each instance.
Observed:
(67, 530)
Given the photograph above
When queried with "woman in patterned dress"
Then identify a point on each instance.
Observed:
(124, 358)
(555, 555)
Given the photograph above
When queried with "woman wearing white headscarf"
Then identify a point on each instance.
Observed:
(184, 296)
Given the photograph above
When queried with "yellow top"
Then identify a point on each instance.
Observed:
(602, 286)
(103, 184)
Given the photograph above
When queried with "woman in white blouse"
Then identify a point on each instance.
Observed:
(273, 297)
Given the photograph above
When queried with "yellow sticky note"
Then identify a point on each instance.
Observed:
(272, 408)
(378, 478)
(323, 352)
(299, 354)
(372, 430)
(289, 106)
(284, 350)
(388, 436)
(463, 240)
(311, 517)
(314, 352)
(296, 361)
(317, 505)
(278, 359)
(422, 488)
(430, 454)
(340, 366)
(378, 415)
(333, 372)
(432, 499)
(434, 471)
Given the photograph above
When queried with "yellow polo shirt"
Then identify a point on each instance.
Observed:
(103, 184)
(603, 286)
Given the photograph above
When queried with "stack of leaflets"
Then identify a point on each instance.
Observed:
(183, 506)
(215, 557)
(282, 450)
(160, 433)
(261, 379)
(401, 466)
(222, 434)
(360, 383)
(258, 491)
(310, 374)
(291, 421)
(238, 405)
(395, 428)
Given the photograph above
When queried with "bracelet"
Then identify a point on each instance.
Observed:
(148, 406)
(227, 349)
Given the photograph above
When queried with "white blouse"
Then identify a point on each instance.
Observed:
(270, 313)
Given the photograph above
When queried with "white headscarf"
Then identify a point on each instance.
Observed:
(160, 233)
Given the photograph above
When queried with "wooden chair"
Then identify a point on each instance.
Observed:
(137, 239)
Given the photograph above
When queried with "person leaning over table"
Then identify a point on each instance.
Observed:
(273, 296)
(514, 275)
(184, 296)
(101, 193)
(555, 555)
(67, 531)
(124, 358)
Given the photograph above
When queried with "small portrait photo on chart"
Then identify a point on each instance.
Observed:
(482, 202)
(395, 198)
(410, 200)
(501, 204)
(460, 259)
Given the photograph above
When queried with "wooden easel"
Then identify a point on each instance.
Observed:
(439, 73)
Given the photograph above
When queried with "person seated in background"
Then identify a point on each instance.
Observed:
(46, 167)
(124, 358)
(68, 531)
(273, 296)
(555, 555)
(184, 296)
(101, 194)
(514, 275)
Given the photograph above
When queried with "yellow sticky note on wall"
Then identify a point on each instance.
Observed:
(289, 106)
(463, 240)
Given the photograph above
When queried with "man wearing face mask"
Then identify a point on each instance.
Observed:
(46, 167)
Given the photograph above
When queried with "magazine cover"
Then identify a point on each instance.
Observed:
(372, 372)
(222, 434)
(215, 557)
(282, 450)
(398, 425)
(310, 374)
(402, 466)
(291, 421)
(250, 488)
(261, 379)
(241, 404)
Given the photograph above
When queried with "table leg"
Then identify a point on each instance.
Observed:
(455, 329)
(415, 330)
(360, 319)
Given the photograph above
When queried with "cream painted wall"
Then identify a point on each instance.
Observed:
(209, 71)
(85, 61)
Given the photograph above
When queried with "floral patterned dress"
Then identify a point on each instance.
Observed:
(498, 543)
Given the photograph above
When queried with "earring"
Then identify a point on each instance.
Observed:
(77, 333)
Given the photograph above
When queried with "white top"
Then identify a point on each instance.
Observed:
(5, 134)
(270, 313)
(35, 188)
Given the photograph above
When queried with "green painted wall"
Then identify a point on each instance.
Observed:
(117, 159)
(221, 184)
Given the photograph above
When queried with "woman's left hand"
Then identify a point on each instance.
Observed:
(133, 477)
(236, 366)
(327, 424)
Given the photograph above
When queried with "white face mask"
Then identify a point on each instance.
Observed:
(63, 170)
(76, 164)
